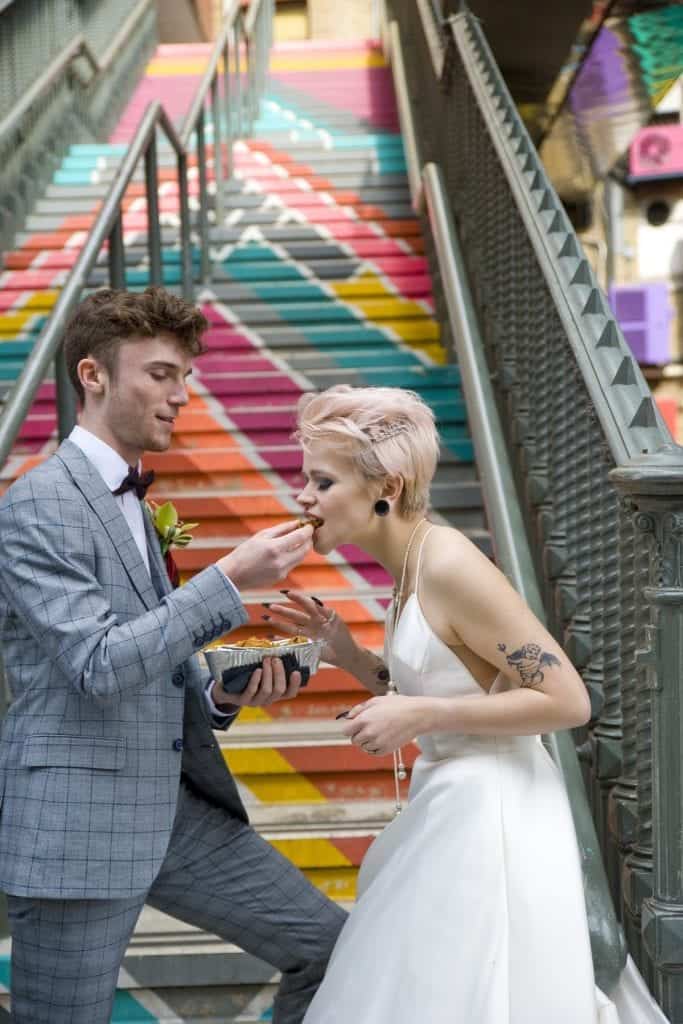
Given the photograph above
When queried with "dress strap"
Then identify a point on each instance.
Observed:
(418, 569)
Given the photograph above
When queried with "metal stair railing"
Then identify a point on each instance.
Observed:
(62, 75)
(108, 226)
(583, 484)
(249, 35)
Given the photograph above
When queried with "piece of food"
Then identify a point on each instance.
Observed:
(314, 521)
(285, 641)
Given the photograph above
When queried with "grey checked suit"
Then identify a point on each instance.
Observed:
(108, 709)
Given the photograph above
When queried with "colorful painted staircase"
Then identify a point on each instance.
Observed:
(318, 277)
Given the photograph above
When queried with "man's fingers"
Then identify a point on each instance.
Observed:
(279, 683)
(292, 686)
(266, 687)
(290, 526)
(251, 687)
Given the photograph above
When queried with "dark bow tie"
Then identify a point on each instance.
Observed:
(136, 481)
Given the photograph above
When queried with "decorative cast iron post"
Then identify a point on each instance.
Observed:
(654, 483)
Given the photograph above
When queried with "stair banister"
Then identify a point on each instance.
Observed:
(512, 553)
(108, 227)
(599, 480)
(78, 47)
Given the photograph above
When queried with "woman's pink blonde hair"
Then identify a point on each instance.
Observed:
(387, 432)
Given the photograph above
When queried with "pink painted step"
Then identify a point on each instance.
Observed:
(33, 279)
(225, 363)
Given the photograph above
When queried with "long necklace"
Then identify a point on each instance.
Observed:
(400, 773)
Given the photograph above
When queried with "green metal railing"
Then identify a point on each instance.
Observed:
(582, 484)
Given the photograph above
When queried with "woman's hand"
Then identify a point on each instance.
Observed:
(383, 724)
(310, 617)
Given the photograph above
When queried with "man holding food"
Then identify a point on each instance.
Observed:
(113, 790)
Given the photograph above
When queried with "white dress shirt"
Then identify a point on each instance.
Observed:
(114, 469)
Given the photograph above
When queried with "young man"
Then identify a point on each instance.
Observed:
(114, 792)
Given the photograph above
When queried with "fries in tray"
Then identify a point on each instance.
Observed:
(306, 653)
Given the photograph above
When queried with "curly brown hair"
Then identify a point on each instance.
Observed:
(111, 316)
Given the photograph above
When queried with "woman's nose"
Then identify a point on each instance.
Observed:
(302, 498)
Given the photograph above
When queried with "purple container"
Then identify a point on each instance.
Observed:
(644, 313)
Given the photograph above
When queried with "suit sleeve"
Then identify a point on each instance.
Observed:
(48, 582)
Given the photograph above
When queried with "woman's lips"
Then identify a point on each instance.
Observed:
(310, 520)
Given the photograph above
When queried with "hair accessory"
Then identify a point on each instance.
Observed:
(386, 432)
(382, 507)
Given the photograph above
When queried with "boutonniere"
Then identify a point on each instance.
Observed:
(172, 532)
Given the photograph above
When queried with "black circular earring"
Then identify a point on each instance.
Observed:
(382, 507)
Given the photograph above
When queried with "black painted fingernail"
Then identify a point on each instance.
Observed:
(265, 604)
(317, 601)
(342, 714)
(284, 591)
(266, 617)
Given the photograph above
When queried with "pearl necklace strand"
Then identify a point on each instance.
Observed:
(400, 772)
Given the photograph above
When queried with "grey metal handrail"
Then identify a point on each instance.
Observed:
(78, 47)
(513, 555)
(504, 513)
(591, 466)
(108, 225)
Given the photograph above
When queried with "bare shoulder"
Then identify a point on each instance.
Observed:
(453, 563)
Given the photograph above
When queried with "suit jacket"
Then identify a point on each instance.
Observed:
(108, 701)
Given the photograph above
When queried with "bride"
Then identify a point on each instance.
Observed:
(471, 906)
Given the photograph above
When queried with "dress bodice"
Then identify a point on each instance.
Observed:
(421, 664)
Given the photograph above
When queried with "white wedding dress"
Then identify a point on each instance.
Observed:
(471, 906)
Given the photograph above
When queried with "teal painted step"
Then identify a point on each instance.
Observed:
(355, 333)
(75, 178)
(303, 291)
(10, 370)
(267, 270)
(10, 349)
(90, 149)
(314, 312)
(250, 251)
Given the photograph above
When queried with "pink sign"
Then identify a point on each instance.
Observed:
(657, 151)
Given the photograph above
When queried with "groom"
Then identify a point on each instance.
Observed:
(113, 790)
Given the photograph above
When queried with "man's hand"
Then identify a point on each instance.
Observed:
(266, 685)
(268, 556)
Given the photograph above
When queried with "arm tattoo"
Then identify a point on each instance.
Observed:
(529, 660)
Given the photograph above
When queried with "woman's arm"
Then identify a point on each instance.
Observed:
(473, 603)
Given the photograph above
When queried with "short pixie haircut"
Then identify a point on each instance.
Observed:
(385, 431)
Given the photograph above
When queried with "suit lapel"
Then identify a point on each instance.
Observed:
(106, 508)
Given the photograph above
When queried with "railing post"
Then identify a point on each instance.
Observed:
(153, 225)
(654, 483)
(227, 111)
(205, 272)
(237, 120)
(216, 120)
(185, 234)
(66, 397)
(117, 255)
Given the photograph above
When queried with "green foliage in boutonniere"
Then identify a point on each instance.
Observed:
(172, 532)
